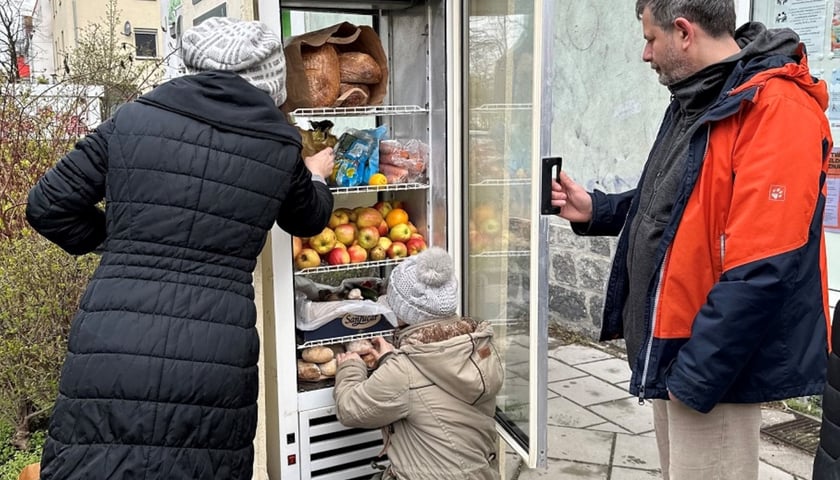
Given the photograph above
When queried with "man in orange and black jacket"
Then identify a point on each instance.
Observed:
(718, 285)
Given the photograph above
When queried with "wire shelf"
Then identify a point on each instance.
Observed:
(360, 111)
(349, 266)
(503, 182)
(502, 254)
(347, 338)
(391, 187)
(502, 107)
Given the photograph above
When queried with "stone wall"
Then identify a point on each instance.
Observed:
(577, 278)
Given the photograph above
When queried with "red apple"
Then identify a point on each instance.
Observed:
(307, 258)
(357, 254)
(324, 241)
(368, 237)
(338, 256)
(384, 207)
(297, 246)
(400, 232)
(412, 227)
(415, 245)
(383, 229)
(340, 245)
(378, 252)
(398, 204)
(397, 250)
(345, 233)
(368, 217)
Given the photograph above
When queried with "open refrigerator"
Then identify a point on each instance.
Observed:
(468, 79)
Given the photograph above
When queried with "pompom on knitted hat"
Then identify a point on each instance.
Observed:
(249, 49)
(423, 287)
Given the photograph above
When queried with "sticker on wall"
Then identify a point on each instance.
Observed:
(831, 217)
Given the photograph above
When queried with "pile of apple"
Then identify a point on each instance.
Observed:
(379, 232)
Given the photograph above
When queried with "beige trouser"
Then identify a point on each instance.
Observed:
(719, 445)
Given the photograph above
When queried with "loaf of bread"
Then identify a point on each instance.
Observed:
(322, 73)
(328, 369)
(353, 95)
(317, 354)
(358, 67)
(308, 371)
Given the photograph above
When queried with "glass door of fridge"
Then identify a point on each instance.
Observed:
(503, 243)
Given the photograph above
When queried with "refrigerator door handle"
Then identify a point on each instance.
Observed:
(547, 175)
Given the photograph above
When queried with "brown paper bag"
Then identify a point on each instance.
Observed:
(345, 37)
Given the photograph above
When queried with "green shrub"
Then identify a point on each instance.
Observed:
(40, 287)
(13, 460)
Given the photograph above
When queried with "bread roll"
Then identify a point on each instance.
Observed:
(358, 346)
(328, 369)
(317, 354)
(358, 67)
(369, 359)
(322, 73)
(308, 371)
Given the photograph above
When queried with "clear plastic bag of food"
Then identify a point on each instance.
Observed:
(357, 156)
(403, 162)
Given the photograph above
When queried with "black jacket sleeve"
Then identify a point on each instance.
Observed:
(308, 204)
(62, 205)
(609, 212)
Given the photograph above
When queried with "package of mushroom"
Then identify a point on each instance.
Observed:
(343, 65)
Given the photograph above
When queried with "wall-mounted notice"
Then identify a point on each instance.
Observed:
(834, 98)
(835, 27)
(831, 218)
(805, 17)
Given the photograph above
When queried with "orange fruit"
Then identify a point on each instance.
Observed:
(378, 179)
(395, 217)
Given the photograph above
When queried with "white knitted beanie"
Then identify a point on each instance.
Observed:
(423, 287)
(249, 49)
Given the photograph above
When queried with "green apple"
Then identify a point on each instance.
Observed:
(307, 258)
(400, 232)
(324, 241)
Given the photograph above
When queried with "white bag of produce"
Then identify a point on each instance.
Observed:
(312, 313)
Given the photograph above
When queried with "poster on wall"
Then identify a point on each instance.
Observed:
(835, 27)
(831, 218)
(805, 17)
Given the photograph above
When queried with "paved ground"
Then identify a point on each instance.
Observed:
(596, 430)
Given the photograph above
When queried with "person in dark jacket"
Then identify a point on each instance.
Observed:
(718, 281)
(160, 379)
(827, 459)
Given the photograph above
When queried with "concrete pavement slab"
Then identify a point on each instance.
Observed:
(608, 427)
(784, 457)
(564, 413)
(558, 371)
(588, 391)
(769, 472)
(628, 414)
(577, 354)
(637, 452)
(561, 470)
(612, 370)
(579, 445)
(619, 473)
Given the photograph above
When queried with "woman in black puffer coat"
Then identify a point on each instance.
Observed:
(827, 461)
(160, 380)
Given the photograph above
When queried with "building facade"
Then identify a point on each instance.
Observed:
(139, 19)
